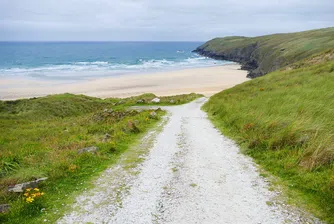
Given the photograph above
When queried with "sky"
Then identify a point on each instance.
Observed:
(154, 20)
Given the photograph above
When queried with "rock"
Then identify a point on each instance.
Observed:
(156, 100)
(120, 102)
(172, 101)
(108, 110)
(133, 127)
(92, 149)
(153, 114)
(4, 208)
(21, 187)
(106, 137)
(140, 101)
(302, 140)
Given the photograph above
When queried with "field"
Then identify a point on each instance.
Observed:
(42, 137)
(284, 120)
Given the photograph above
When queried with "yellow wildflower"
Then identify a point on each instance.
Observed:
(42, 193)
(38, 194)
(26, 194)
(36, 189)
(28, 189)
(29, 199)
(33, 195)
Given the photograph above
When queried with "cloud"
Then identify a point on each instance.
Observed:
(157, 20)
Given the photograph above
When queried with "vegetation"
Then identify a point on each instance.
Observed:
(40, 137)
(284, 120)
(264, 54)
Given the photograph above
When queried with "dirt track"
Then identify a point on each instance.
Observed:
(191, 174)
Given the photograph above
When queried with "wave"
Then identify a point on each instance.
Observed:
(104, 68)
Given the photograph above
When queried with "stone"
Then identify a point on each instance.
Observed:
(156, 100)
(172, 101)
(140, 101)
(4, 208)
(133, 127)
(92, 149)
(120, 102)
(21, 187)
(106, 137)
(304, 139)
(108, 110)
(153, 114)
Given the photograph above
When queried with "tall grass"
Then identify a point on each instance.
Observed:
(285, 120)
(40, 137)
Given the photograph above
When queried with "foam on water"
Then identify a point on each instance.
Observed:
(89, 60)
(83, 70)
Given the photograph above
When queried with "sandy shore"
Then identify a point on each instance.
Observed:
(200, 80)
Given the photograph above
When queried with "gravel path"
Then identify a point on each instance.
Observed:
(191, 174)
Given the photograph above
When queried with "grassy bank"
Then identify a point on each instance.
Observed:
(264, 54)
(285, 121)
(41, 137)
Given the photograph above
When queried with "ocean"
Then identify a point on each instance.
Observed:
(66, 61)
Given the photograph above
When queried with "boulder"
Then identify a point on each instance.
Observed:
(172, 101)
(156, 100)
(21, 187)
(140, 101)
(92, 149)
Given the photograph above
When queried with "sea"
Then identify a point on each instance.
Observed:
(73, 61)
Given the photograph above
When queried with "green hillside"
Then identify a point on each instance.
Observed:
(285, 121)
(43, 137)
(264, 54)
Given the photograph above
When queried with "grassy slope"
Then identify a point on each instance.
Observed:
(273, 51)
(40, 138)
(285, 120)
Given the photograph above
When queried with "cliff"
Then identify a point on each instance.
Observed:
(264, 54)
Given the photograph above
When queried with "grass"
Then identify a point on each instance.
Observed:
(271, 52)
(40, 137)
(284, 120)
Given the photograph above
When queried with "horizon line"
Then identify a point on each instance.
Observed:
(124, 41)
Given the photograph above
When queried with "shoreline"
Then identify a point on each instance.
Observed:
(207, 81)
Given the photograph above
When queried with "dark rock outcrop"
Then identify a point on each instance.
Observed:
(245, 56)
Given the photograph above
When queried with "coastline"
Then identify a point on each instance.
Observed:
(207, 81)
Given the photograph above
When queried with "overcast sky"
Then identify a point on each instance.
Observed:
(158, 20)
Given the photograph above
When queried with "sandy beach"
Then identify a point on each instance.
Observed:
(207, 81)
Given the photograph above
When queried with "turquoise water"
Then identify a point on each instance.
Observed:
(86, 60)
